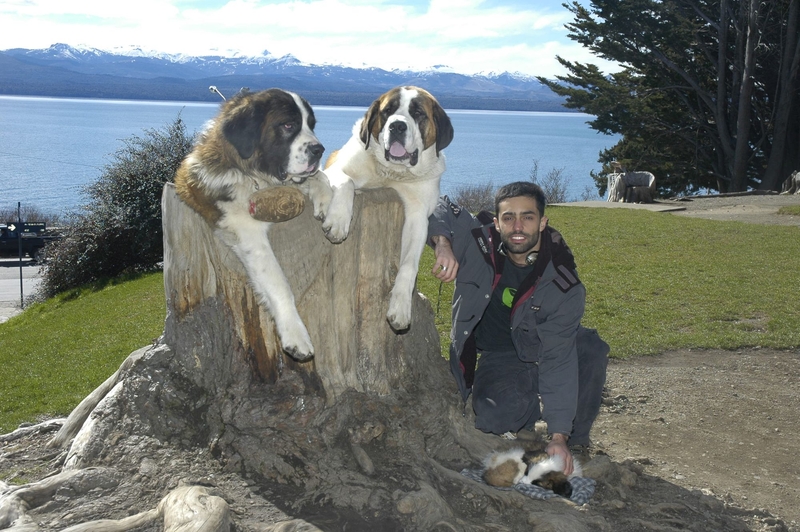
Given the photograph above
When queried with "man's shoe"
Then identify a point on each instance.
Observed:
(528, 435)
(581, 452)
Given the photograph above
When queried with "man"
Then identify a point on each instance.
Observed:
(518, 302)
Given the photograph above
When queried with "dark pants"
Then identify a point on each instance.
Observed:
(505, 395)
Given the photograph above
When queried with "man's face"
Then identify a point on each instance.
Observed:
(519, 223)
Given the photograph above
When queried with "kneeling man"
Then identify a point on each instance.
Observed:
(518, 302)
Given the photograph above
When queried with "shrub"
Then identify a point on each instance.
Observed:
(119, 230)
(554, 184)
(475, 198)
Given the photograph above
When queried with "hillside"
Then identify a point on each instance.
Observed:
(65, 71)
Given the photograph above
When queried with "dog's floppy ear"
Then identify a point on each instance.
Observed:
(444, 129)
(243, 128)
(372, 115)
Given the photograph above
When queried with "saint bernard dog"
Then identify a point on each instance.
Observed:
(258, 140)
(517, 466)
(397, 144)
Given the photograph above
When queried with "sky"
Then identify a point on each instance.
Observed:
(466, 36)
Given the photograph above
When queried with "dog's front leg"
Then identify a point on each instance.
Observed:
(415, 230)
(340, 211)
(270, 285)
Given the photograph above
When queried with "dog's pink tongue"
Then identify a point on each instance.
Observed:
(397, 150)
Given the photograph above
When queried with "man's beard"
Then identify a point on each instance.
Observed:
(520, 247)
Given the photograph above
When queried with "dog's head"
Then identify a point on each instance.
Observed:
(404, 123)
(272, 133)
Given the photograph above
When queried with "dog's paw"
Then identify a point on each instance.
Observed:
(298, 345)
(298, 353)
(321, 202)
(399, 315)
(319, 190)
(320, 209)
(336, 225)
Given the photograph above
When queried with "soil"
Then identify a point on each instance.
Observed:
(748, 208)
(699, 439)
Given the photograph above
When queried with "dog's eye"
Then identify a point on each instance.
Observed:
(288, 126)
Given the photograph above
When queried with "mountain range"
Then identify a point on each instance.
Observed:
(80, 72)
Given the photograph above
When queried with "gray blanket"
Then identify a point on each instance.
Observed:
(582, 487)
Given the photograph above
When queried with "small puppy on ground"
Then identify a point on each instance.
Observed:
(517, 466)
(398, 144)
(258, 141)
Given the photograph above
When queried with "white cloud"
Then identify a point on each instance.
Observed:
(466, 35)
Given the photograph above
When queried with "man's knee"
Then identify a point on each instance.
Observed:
(499, 417)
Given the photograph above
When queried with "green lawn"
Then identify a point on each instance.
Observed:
(654, 282)
(55, 353)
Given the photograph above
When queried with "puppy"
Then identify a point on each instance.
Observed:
(397, 144)
(515, 466)
(258, 140)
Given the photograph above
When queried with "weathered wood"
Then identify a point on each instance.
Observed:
(341, 292)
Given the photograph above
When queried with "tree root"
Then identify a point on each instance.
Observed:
(45, 426)
(184, 509)
(15, 501)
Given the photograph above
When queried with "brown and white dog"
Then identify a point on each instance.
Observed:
(258, 140)
(397, 144)
(517, 466)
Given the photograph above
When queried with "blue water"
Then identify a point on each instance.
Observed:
(51, 148)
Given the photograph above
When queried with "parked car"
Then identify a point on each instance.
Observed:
(29, 237)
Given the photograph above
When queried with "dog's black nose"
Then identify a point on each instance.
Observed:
(316, 150)
(398, 127)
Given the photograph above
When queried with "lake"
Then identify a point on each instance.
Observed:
(51, 148)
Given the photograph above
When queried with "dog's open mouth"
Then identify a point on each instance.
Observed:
(300, 177)
(397, 153)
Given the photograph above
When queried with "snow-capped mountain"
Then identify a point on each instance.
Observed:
(135, 73)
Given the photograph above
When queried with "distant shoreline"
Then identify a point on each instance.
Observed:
(218, 101)
(315, 98)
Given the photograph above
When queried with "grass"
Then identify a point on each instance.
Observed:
(55, 353)
(654, 282)
(793, 210)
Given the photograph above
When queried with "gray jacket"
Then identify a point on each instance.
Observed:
(546, 311)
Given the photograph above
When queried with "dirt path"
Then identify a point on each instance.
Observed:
(726, 423)
(748, 208)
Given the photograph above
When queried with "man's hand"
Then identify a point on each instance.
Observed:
(558, 447)
(446, 266)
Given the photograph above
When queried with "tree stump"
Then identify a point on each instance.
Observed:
(340, 292)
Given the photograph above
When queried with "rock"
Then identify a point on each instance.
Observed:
(560, 522)
(426, 507)
(599, 468)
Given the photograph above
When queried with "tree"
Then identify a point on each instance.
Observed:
(119, 230)
(707, 93)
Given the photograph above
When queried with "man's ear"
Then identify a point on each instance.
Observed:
(543, 223)
(496, 224)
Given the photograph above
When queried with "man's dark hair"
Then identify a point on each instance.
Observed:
(521, 188)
